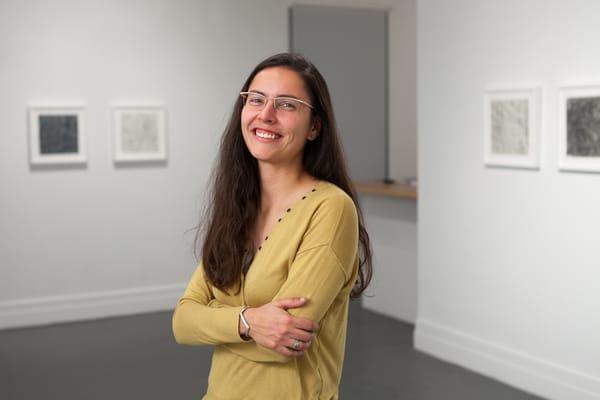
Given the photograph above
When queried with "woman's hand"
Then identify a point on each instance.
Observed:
(272, 327)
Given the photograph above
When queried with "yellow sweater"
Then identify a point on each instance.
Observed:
(312, 253)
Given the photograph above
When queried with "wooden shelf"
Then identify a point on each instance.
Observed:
(387, 189)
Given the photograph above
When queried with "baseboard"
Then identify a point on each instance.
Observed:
(84, 306)
(515, 368)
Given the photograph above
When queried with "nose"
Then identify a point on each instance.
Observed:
(267, 114)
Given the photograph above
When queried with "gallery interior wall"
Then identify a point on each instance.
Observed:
(105, 240)
(115, 239)
(509, 277)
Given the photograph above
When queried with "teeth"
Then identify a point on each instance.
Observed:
(265, 135)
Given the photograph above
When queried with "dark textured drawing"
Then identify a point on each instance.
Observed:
(139, 132)
(510, 126)
(58, 134)
(583, 127)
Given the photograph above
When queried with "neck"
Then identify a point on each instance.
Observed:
(277, 183)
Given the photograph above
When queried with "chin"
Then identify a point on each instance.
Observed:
(260, 155)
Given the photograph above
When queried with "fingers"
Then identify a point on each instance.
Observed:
(305, 324)
(301, 335)
(297, 345)
(273, 327)
(293, 302)
(293, 348)
(289, 352)
(298, 322)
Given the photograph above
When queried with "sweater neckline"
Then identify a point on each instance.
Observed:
(250, 255)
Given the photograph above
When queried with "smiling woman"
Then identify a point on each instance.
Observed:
(286, 126)
(283, 244)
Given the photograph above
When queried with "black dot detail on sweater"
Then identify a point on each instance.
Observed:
(303, 197)
(259, 247)
(279, 220)
(314, 190)
(267, 238)
(289, 209)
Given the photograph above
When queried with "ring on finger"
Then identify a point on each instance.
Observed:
(296, 344)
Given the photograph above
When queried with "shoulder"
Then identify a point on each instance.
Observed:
(333, 225)
(333, 219)
(330, 197)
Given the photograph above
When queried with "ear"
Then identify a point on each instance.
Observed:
(315, 130)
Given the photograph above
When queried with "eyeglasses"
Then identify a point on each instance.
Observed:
(258, 101)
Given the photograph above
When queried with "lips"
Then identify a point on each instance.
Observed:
(264, 135)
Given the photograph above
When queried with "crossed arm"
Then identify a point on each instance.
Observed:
(314, 280)
(313, 283)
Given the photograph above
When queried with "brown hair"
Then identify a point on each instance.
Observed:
(234, 197)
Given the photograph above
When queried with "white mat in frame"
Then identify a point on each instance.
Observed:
(512, 125)
(139, 131)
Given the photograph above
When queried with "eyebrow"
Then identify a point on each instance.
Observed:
(279, 95)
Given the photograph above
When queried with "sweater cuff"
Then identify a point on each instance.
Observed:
(230, 325)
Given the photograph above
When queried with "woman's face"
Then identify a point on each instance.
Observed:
(277, 136)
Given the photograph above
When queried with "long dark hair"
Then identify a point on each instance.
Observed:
(234, 196)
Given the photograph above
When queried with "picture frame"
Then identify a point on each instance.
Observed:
(57, 133)
(512, 124)
(139, 132)
(579, 128)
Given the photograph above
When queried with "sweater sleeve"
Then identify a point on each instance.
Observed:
(323, 265)
(200, 319)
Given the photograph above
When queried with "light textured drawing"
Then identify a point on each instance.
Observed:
(139, 132)
(583, 127)
(58, 134)
(510, 126)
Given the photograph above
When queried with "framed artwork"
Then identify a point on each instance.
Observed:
(512, 121)
(139, 132)
(579, 128)
(56, 134)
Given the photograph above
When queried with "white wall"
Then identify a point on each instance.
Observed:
(392, 227)
(80, 243)
(101, 240)
(509, 278)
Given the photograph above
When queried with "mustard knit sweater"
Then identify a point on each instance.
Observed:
(312, 253)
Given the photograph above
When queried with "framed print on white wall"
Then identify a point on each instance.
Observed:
(579, 128)
(139, 132)
(512, 121)
(56, 133)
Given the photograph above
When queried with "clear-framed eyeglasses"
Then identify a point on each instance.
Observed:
(258, 101)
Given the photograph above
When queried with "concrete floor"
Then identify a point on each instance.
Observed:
(136, 358)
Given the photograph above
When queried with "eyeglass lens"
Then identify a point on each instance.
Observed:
(258, 101)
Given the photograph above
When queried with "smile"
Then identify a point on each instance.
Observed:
(266, 136)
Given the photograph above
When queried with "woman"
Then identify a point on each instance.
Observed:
(280, 253)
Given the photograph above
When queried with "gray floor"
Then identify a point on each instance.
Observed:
(136, 358)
